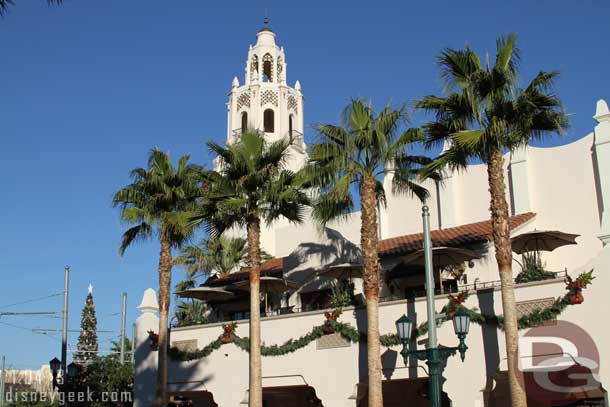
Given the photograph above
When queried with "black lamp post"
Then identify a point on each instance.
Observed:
(436, 358)
(72, 372)
(55, 364)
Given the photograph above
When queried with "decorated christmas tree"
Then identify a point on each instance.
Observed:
(87, 340)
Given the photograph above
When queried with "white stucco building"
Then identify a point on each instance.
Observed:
(565, 188)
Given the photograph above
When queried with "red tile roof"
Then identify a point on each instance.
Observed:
(456, 236)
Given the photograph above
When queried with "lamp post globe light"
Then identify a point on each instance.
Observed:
(404, 326)
(435, 357)
(461, 325)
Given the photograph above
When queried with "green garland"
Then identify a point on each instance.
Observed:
(535, 318)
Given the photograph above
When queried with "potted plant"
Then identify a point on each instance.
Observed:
(228, 329)
(331, 317)
(575, 287)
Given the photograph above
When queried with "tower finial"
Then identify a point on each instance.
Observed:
(266, 19)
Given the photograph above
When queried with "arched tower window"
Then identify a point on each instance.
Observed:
(254, 68)
(290, 125)
(268, 121)
(244, 121)
(280, 69)
(267, 68)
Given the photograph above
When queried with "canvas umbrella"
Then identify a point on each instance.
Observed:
(206, 294)
(542, 240)
(442, 256)
(268, 285)
(352, 270)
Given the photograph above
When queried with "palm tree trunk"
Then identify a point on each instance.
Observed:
(165, 276)
(254, 263)
(368, 237)
(501, 237)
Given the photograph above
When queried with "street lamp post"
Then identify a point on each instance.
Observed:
(71, 375)
(55, 364)
(435, 357)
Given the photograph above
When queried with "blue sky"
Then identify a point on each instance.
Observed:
(89, 87)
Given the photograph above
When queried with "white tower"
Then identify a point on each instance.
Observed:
(265, 101)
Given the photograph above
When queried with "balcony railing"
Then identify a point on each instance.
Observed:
(559, 275)
(297, 135)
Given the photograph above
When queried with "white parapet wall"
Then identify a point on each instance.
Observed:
(334, 371)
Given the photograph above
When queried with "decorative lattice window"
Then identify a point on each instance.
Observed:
(280, 69)
(243, 100)
(254, 68)
(269, 97)
(267, 68)
(527, 307)
(189, 345)
(292, 104)
(332, 341)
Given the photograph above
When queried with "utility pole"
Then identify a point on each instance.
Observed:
(64, 333)
(123, 319)
(2, 382)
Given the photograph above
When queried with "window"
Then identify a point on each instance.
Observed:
(254, 68)
(269, 118)
(267, 68)
(244, 121)
(290, 125)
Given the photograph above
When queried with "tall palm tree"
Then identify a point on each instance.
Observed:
(483, 114)
(4, 4)
(252, 186)
(366, 146)
(158, 202)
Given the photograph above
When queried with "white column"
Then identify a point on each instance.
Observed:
(145, 358)
(520, 186)
(602, 154)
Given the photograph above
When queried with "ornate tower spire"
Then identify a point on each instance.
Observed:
(265, 101)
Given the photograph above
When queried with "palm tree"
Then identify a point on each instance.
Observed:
(116, 348)
(217, 256)
(157, 202)
(252, 186)
(367, 146)
(483, 114)
(4, 4)
(191, 312)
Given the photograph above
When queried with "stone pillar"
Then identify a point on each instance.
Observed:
(519, 182)
(145, 358)
(602, 154)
